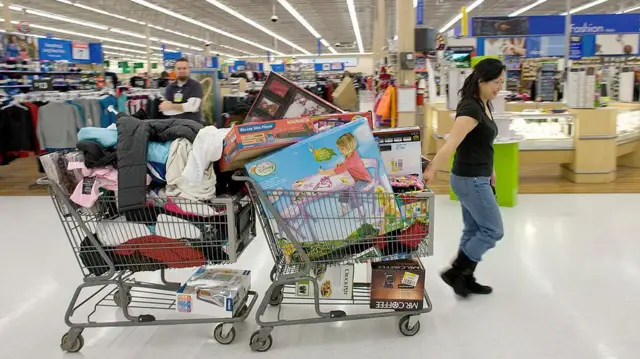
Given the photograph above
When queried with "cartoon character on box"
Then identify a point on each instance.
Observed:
(353, 164)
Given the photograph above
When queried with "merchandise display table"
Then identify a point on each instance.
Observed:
(587, 144)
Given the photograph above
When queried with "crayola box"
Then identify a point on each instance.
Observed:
(336, 177)
(251, 140)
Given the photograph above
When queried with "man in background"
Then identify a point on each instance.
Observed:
(183, 96)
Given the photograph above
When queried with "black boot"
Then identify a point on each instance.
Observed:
(473, 286)
(456, 277)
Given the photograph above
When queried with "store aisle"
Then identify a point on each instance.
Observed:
(565, 277)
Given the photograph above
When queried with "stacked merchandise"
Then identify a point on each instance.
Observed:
(155, 190)
(546, 82)
(214, 292)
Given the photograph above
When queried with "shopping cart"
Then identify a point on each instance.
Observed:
(110, 250)
(297, 258)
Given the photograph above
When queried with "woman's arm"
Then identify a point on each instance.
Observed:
(461, 127)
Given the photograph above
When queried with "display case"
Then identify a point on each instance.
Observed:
(628, 126)
(543, 131)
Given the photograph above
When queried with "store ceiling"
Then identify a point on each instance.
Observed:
(234, 37)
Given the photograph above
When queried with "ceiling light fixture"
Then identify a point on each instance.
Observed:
(527, 8)
(308, 56)
(203, 25)
(629, 10)
(457, 18)
(232, 12)
(65, 19)
(103, 12)
(585, 6)
(305, 23)
(128, 33)
(123, 49)
(354, 22)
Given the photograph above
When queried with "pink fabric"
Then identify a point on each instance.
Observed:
(356, 168)
(105, 177)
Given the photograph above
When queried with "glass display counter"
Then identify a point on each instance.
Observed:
(628, 126)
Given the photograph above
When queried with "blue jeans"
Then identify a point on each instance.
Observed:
(480, 214)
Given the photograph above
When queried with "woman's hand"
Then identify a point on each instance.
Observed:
(493, 179)
(429, 174)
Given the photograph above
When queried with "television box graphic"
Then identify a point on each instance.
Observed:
(397, 285)
(281, 98)
(401, 150)
(250, 140)
(338, 177)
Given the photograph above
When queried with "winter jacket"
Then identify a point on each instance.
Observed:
(133, 138)
(180, 186)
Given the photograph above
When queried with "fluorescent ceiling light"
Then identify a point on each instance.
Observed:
(128, 33)
(354, 22)
(585, 6)
(203, 25)
(305, 23)
(65, 19)
(123, 49)
(457, 18)
(629, 10)
(312, 55)
(103, 12)
(232, 12)
(527, 8)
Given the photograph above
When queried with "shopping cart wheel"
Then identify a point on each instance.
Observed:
(71, 347)
(259, 345)
(220, 338)
(122, 299)
(404, 327)
(276, 297)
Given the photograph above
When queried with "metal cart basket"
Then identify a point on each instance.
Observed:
(294, 221)
(110, 248)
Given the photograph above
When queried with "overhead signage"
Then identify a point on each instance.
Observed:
(80, 50)
(420, 12)
(45, 84)
(555, 25)
(575, 48)
(277, 68)
(54, 50)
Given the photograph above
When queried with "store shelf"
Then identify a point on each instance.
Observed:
(547, 145)
(12, 72)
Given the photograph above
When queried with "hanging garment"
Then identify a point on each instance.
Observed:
(133, 138)
(58, 125)
(91, 109)
(107, 117)
(16, 131)
(206, 149)
(177, 184)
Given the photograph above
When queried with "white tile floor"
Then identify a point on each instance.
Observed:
(566, 278)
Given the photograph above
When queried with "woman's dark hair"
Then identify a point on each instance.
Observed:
(485, 70)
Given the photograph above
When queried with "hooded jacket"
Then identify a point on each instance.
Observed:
(133, 136)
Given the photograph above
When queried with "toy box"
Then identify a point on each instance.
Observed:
(336, 204)
(401, 150)
(248, 141)
(281, 98)
(215, 292)
(334, 282)
(397, 285)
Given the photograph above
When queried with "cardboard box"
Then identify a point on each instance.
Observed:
(397, 285)
(281, 98)
(214, 292)
(251, 140)
(345, 94)
(335, 193)
(335, 282)
(401, 150)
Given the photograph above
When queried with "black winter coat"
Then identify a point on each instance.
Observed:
(133, 137)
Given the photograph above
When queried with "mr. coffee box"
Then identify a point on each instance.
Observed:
(397, 285)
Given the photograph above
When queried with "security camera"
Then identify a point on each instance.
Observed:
(274, 18)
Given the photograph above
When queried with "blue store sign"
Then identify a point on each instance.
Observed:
(555, 25)
(54, 50)
(575, 49)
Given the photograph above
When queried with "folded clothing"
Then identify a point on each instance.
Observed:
(180, 186)
(95, 155)
(108, 137)
(173, 253)
(86, 192)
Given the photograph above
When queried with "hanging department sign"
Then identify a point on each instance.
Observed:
(80, 50)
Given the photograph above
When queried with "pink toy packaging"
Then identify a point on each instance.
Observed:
(343, 172)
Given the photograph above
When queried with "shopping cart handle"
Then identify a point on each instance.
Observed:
(240, 176)
(43, 181)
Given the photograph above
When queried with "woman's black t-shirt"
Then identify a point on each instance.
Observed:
(474, 156)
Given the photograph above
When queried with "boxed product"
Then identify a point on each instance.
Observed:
(214, 291)
(334, 282)
(397, 285)
(401, 150)
(281, 98)
(248, 141)
(337, 175)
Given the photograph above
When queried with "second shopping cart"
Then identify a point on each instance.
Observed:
(292, 231)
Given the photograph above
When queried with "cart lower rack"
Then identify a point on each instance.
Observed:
(308, 231)
(110, 247)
